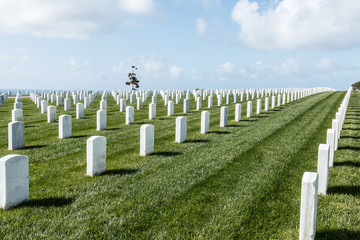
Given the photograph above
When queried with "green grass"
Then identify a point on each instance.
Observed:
(238, 182)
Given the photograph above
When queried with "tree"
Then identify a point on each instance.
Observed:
(133, 81)
(356, 86)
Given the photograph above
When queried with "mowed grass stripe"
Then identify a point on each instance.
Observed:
(130, 197)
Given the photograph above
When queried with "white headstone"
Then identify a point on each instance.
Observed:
(330, 139)
(258, 106)
(152, 111)
(64, 126)
(86, 102)
(67, 104)
(198, 103)
(210, 101)
(170, 108)
(273, 99)
(17, 115)
(205, 122)
(237, 112)
(59, 100)
(129, 118)
(79, 110)
(219, 97)
(18, 105)
(186, 105)
(122, 105)
(101, 120)
(223, 116)
(335, 126)
(181, 129)
(323, 167)
(14, 180)
(103, 105)
(139, 103)
(51, 114)
(16, 135)
(44, 105)
(266, 104)
(308, 206)
(146, 139)
(249, 109)
(95, 155)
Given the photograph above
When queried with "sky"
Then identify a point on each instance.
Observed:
(179, 44)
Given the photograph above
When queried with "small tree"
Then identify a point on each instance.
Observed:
(133, 81)
(356, 86)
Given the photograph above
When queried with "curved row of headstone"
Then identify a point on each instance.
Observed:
(316, 183)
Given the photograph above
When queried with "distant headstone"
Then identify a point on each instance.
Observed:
(79, 110)
(95, 155)
(101, 120)
(16, 135)
(258, 106)
(64, 126)
(205, 122)
(67, 104)
(186, 105)
(51, 114)
(14, 180)
(330, 139)
(170, 108)
(323, 167)
(223, 116)
(266, 104)
(17, 115)
(122, 105)
(44, 105)
(103, 105)
(152, 111)
(237, 112)
(146, 139)
(181, 129)
(129, 118)
(249, 109)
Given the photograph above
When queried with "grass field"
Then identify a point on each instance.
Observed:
(238, 182)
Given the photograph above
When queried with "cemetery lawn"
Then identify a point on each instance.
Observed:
(238, 182)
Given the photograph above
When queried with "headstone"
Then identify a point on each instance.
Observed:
(95, 155)
(273, 99)
(249, 109)
(166, 100)
(258, 106)
(129, 118)
(210, 101)
(330, 139)
(14, 180)
(223, 116)
(64, 126)
(198, 103)
(205, 122)
(181, 129)
(51, 114)
(186, 105)
(227, 99)
(16, 135)
(122, 105)
(170, 108)
(18, 105)
(146, 139)
(86, 102)
(38, 102)
(266, 104)
(101, 120)
(58, 100)
(308, 206)
(323, 167)
(139, 103)
(103, 105)
(278, 100)
(44, 105)
(237, 112)
(335, 126)
(17, 115)
(152, 111)
(67, 104)
(219, 97)
(79, 110)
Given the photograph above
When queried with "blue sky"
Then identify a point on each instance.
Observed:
(179, 44)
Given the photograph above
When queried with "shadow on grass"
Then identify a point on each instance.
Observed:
(355, 123)
(198, 141)
(352, 137)
(219, 132)
(167, 154)
(48, 202)
(30, 126)
(233, 125)
(349, 148)
(353, 129)
(124, 171)
(347, 163)
(34, 147)
(80, 136)
(140, 123)
(112, 129)
(348, 190)
(337, 234)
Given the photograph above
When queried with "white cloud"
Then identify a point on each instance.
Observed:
(293, 24)
(175, 72)
(152, 66)
(11, 57)
(225, 68)
(67, 18)
(201, 26)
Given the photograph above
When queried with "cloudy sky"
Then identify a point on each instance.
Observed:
(179, 44)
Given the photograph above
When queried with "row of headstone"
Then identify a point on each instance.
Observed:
(314, 184)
